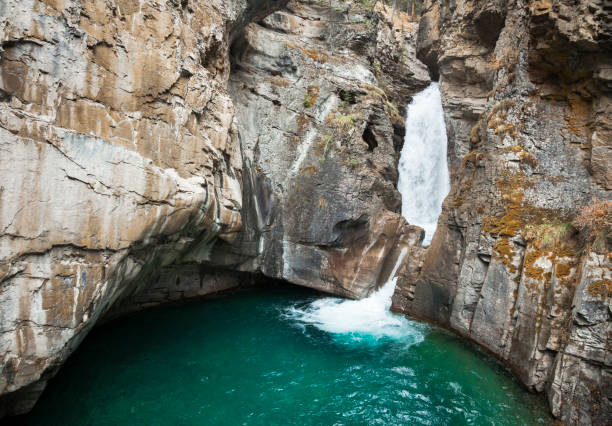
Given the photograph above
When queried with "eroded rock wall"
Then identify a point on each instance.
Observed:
(315, 89)
(115, 160)
(527, 95)
(140, 161)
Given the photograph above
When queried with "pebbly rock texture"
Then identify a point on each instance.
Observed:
(140, 163)
(315, 89)
(527, 92)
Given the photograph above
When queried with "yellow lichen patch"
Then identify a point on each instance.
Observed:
(530, 270)
(600, 288)
(505, 253)
(311, 170)
(278, 80)
(563, 272)
(509, 223)
(528, 159)
(322, 203)
(314, 54)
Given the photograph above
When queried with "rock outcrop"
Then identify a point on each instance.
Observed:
(116, 160)
(320, 137)
(527, 95)
(140, 163)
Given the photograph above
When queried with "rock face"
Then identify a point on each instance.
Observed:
(527, 95)
(139, 165)
(116, 160)
(320, 145)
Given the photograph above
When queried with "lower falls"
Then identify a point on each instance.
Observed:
(279, 354)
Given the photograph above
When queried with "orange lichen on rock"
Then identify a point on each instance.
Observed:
(600, 288)
(505, 253)
(528, 158)
(530, 270)
(579, 116)
(311, 170)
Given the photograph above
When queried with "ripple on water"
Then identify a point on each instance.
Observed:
(243, 359)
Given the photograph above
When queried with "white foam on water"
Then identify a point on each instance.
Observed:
(367, 320)
(423, 183)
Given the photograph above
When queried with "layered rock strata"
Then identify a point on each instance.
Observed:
(527, 92)
(320, 134)
(129, 176)
(116, 160)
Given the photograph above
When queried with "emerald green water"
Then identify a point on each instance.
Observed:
(245, 358)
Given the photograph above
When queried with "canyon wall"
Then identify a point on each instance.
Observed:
(527, 92)
(116, 160)
(142, 163)
(315, 90)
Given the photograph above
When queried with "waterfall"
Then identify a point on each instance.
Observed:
(423, 183)
(423, 170)
(365, 321)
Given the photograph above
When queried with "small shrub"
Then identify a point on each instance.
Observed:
(549, 235)
(376, 65)
(595, 220)
(347, 97)
(311, 96)
(345, 121)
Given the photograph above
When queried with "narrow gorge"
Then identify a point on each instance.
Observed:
(157, 151)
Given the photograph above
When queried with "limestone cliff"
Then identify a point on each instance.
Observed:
(320, 133)
(141, 162)
(527, 92)
(115, 160)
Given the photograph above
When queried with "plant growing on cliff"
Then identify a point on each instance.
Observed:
(595, 221)
(327, 145)
(376, 66)
(549, 235)
(311, 96)
(345, 121)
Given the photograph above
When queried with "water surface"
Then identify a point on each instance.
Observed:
(252, 358)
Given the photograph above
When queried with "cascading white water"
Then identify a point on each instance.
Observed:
(423, 170)
(365, 320)
(423, 183)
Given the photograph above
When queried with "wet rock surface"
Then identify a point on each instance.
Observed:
(142, 163)
(527, 114)
(319, 135)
